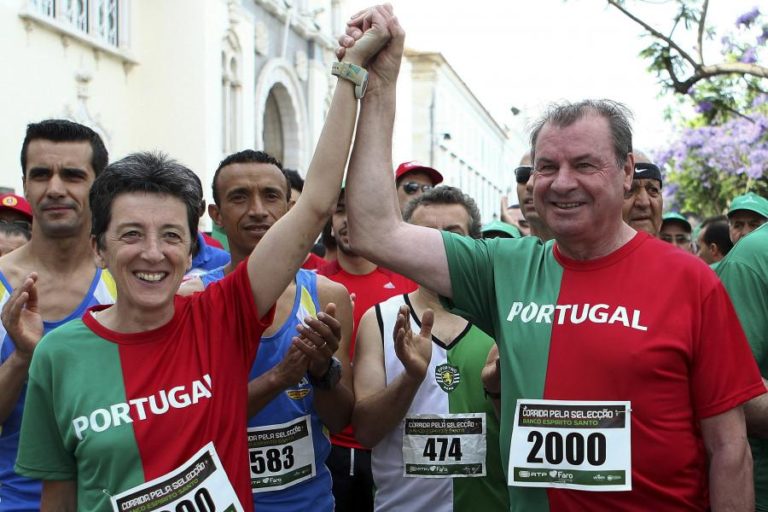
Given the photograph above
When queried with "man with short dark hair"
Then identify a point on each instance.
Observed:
(413, 179)
(60, 159)
(574, 345)
(747, 213)
(402, 380)
(713, 242)
(286, 388)
(643, 203)
(676, 230)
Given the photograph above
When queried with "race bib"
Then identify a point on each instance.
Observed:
(444, 445)
(571, 445)
(198, 485)
(281, 455)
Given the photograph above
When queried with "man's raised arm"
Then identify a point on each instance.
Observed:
(284, 247)
(376, 228)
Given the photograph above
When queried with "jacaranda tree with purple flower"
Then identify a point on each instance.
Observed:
(709, 164)
(723, 150)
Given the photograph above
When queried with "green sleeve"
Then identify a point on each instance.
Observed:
(470, 265)
(42, 454)
(748, 290)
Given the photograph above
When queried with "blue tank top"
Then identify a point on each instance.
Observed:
(284, 465)
(19, 493)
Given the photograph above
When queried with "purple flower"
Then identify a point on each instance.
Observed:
(763, 37)
(748, 18)
(749, 56)
(704, 106)
(755, 171)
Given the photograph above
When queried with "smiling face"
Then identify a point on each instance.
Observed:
(147, 249)
(578, 188)
(58, 177)
(253, 196)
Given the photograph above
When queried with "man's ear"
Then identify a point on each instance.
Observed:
(213, 212)
(629, 172)
(98, 259)
(714, 249)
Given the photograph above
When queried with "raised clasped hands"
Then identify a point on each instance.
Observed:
(375, 40)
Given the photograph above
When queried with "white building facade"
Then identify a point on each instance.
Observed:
(442, 124)
(200, 79)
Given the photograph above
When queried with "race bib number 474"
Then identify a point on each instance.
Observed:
(571, 445)
(444, 445)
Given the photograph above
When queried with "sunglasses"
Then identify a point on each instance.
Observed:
(411, 187)
(523, 173)
(23, 224)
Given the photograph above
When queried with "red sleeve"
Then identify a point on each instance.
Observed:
(232, 310)
(724, 372)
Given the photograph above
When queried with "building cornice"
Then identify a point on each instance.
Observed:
(426, 63)
(302, 24)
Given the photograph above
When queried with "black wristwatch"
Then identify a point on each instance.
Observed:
(330, 378)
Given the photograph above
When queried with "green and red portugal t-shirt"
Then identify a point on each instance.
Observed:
(648, 324)
(113, 410)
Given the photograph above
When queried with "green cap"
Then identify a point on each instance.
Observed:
(501, 227)
(750, 201)
(676, 217)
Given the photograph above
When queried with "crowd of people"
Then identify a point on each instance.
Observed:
(577, 354)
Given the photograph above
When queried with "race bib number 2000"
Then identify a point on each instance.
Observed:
(571, 445)
(198, 485)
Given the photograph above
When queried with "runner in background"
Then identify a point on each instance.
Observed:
(404, 382)
(292, 385)
(59, 161)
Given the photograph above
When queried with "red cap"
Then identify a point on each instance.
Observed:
(16, 203)
(407, 167)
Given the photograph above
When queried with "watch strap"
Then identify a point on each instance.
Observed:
(352, 72)
(330, 378)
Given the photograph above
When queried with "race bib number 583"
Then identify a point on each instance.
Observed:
(571, 445)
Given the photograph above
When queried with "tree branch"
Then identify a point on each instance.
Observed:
(728, 68)
(655, 33)
(702, 20)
